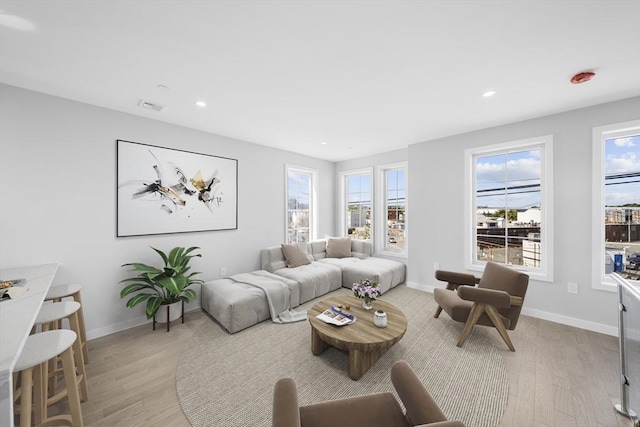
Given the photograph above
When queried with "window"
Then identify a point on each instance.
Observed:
(393, 230)
(357, 216)
(300, 204)
(616, 210)
(509, 206)
(376, 209)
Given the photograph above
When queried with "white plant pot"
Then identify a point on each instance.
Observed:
(175, 311)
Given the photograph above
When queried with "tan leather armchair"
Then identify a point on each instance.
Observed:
(374, 410)
(496, 301)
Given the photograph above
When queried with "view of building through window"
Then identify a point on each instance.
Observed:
(508, 207)
(622, 206)
(358, 220)
(395, 203)
(299, 192)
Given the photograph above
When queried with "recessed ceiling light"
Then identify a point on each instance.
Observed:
(323, 143)
(201, 104)
(489, 93)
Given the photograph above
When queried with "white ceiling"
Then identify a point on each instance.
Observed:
(363, 76)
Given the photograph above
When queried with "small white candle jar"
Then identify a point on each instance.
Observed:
(380, 319)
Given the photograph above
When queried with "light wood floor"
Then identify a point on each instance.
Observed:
(559, 376)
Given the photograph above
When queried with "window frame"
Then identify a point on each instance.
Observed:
(344, 203)
(313, 198)
(600, 135)
(545, 144)
(380, 227)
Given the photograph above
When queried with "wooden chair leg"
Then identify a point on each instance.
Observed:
(497, 322)
(450, 286)
(474, 315)
(438, 311)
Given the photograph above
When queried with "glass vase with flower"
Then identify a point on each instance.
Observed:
(367, 290)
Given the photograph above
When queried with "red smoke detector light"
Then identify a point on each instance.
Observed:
(582, 77)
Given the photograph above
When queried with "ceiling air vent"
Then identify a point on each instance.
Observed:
(150, 105)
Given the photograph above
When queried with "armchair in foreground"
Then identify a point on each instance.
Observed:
(374, 410)
(496, 301)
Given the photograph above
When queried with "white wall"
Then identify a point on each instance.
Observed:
(58, 193)
(436, 197)
(57, 202)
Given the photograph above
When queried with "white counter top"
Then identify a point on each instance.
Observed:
(16, 320)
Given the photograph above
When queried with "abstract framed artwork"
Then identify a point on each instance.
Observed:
(164, 190)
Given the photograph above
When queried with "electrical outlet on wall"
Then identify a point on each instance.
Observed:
(223, 271)
(572, 288)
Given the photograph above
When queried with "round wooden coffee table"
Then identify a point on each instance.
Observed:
(364, 341)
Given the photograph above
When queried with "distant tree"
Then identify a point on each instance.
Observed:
(513, 214)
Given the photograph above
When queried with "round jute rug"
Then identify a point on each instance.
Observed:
(227, 380)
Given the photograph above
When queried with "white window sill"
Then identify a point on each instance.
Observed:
(609, 285)
(540, 276)
(391, 254)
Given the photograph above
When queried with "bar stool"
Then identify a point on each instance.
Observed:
(56, 293)
(52, 314)
(37, 351)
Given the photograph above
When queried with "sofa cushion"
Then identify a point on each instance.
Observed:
(387, 273)
(315, 279)
(317, 249)
(361, 248)
(340, 262)
(272, 259)
(338, 247)
(295, 254)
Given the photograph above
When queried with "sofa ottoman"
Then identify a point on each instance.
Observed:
(386, 272)
(235, 306)
(239, 301)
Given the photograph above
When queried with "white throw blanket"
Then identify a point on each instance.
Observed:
(280, 296)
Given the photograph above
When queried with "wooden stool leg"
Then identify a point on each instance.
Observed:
(71, 382)
(83, 329)
(25, 398)
(16, 389)
(58, 323)
(79, 356)
(40, 393)
(52, 382)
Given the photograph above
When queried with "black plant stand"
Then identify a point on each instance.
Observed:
(168, 317)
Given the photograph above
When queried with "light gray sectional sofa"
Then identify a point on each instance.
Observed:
(343, 271)
(316, 272)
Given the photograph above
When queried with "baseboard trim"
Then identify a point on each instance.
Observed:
(545, 315)
(123, 326)
(571, 321)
